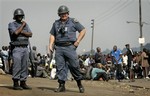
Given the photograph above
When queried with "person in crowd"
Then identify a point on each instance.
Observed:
(1, 64)
(53, 72)
(98, 56)
(125, 68)
(5, 58)
(137, 66)
(98, 72)
(35, 58)
(145, 64)
(41, 71)
(117, 57)
(130, 54)
(91, 60)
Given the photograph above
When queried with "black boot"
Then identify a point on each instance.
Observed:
(61, 87)
(16, 85)
(24, 85)
(81, 88)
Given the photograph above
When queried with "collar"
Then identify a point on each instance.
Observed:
(65, 22)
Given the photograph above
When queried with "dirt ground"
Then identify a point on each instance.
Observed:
(45, 87)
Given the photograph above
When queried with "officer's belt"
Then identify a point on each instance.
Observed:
(64, 43)
(23, 46)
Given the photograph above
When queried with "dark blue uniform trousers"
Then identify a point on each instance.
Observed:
(20, 66)
(66, 57)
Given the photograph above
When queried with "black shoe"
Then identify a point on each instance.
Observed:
(17, 88)
(81, 89)
(24, 85)
(61, 88)
(16, 85)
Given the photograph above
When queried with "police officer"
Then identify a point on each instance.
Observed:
(19, 34)
(63, 36)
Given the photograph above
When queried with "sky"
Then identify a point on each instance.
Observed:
(110, 16)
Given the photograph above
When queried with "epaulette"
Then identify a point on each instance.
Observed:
(57, 20)
(75, 20)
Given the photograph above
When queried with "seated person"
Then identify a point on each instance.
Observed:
(1, 67)
(83, 70)
(98, 72)
(41, 71)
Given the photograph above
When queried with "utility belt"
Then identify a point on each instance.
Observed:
(67, 43)
(22, 46)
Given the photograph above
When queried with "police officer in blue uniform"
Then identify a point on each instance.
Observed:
(19, 32)
(63, 36)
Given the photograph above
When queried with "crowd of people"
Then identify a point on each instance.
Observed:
(41, 62)
(96, 67)
(117, 64)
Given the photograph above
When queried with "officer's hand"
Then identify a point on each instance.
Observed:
(76, 44)
(23, 23)
(51, 49)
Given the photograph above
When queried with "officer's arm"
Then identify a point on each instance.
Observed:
(80, 37)
(51, 42)
(19, 30)
(27, 34)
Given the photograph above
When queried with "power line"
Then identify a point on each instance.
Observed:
(113, 11)
(107, 11)
(123, 6)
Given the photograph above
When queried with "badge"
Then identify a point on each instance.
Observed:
(66, 29)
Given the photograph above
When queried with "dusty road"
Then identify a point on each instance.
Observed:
(45, 87)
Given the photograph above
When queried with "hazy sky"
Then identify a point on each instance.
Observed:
(110, 21)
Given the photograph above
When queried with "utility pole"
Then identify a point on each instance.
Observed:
(140, 24)
(92, 26)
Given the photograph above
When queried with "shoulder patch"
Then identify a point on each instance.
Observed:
(75, 20)
(56, 20)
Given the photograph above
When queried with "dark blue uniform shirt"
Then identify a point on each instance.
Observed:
(66, 31)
